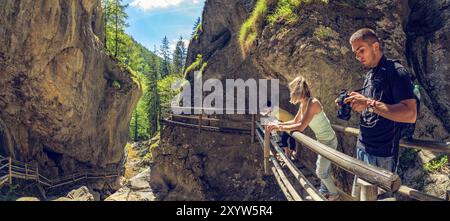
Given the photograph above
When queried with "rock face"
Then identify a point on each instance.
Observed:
(209, 166)
(427, 46)
(137, 189)
(81, 194)
(58, 105)
(316, 47)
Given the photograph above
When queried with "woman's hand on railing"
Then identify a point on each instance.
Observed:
(272, 127)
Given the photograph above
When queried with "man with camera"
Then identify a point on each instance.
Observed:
(386, 102)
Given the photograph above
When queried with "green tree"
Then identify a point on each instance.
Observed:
(165, 54)
(179, 56)
(115, 24)
(196, 24)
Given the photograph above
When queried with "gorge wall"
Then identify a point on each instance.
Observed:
(60, 103)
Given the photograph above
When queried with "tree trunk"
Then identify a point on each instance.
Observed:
(136, 116)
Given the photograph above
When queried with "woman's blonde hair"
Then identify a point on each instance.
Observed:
(299, 89)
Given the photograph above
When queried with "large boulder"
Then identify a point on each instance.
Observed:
(136, 189)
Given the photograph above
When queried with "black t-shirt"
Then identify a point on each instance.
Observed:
(389, 83)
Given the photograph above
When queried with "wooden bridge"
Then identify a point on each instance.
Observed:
(372, 180)
(11, 169)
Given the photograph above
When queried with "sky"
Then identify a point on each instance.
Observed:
(150, 20)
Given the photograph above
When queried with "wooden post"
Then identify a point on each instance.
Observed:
(10, 171)
(200, 123)
(357, 191)
(266, 152)
(369, 192)
(253, 128)
(26, 172)
(37, 173)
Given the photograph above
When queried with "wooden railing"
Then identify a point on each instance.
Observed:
(434, 146)
(12, 169)
(371, 178)
(203, 121)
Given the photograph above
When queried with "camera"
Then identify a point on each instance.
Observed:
(345, 110)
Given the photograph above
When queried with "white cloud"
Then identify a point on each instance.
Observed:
(149, 5)
(173, 43)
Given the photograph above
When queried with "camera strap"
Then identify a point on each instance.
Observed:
(360, 90)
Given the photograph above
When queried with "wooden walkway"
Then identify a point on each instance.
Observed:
(372, 180)
(11, 169)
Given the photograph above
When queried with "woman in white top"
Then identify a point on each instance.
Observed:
(311, 114)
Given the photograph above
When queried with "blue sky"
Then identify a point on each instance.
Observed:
(151, 20)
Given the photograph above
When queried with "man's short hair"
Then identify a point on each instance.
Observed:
(366, 34)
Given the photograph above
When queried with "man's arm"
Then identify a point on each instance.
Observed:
(403, 112)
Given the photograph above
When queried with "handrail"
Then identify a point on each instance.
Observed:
(417, 195)
(195, 117)
(306, 185)
(382, 178)
(439, 147)
(377, 176)
(210, 128)
(205, 108)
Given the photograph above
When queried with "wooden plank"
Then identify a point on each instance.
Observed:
(345, 197)
(437, 147)
(195, 117)
(253, 129)
(434, 146)
(214, 129)
(45, 183)
(417, 195)
(281, 185)
(266, 153)
(45, 178)
(285, 180)
(200, 124)
(4, 166)
(347, 130)
(369, 192)
(3, 180)
(10, 171)
(37, 173)
(377, 176)
(305, 184)
(207, 109)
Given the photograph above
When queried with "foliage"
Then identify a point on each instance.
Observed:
(269, 12)
(152, 71)
(437, 164)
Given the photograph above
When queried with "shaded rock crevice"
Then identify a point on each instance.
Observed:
(427, 46)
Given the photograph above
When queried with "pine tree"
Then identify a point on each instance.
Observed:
(179, 56)
(115, 24)
(165, 54)
(196, 24)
